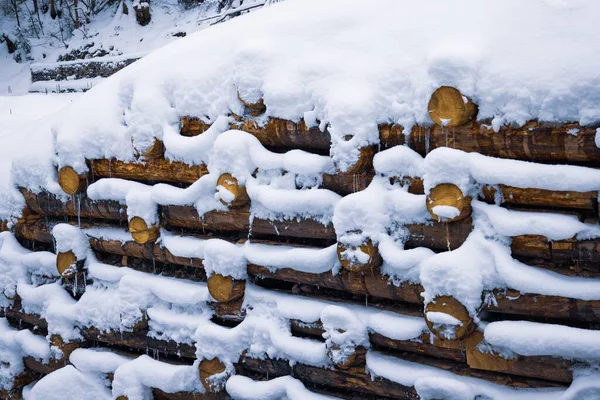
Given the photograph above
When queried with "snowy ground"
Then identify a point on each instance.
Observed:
(111, 30)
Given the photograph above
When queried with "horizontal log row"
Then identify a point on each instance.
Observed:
(564, 256)
(556, 372)
(370, 283)
(455, 126)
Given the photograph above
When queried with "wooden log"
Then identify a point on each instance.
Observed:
(160, 395)
(192, 126)
(238, 194)
(587, 201)
(148, 251)
(287, 134)
(354, 379)
(70, 181)
(141, 232)
(254, 109)
(447, 318)
(449, 108)
(155, 151)
(54, 363)
(208, 369)
(556, 143)
(357, 359)
(544, 306)
(446, 203)
(65, 260)
(345, 183)
(364, 162)
(224, 288)
(239, 220)
(426, 344)
(45, 203)
(351, 264)
(549, 368)
(153, 170)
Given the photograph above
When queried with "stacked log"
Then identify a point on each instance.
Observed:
(451, 341)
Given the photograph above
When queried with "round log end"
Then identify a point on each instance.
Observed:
(356, 359)
(209, 368)
(364, 162)
(141, 232)
(64, 261)
(446, 203)
(448, 107)
(224, 288)
(254, 109)
(237, 196)
(448, 319)
(367, 259)
(70, 181)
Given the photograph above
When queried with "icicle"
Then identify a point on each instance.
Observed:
(427, 133)
(78, 210)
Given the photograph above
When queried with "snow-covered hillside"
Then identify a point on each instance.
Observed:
(318, 199)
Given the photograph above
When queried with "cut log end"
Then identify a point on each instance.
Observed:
(254, 109)
(224, 288)
(446, 203)
(364, 162)
(448, 107)
(141, 232)
(448, 319)
(64, 261)
(208, 369)
(367, 251)
(70, 181)
(235, 195)
(356, 359)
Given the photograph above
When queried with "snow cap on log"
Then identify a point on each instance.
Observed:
(359, 258)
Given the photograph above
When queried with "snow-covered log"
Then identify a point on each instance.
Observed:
(546, 142)
(224, 288)
(363, 257)
(482, 356)
(449, 108)
(232, 193)
(142, 232)
(212, 374)
(446, 203)
(447, 318)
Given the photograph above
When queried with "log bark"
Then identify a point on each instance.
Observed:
(141, 232)
(449, 306)
(586, 201)
(535, 141)
(286, 134)
(224, 288)
(354, 379)
(450, 197)
(237, 192)
(239, 220)
(45, 203)
(448, 107)
(548, 368)
(154, 170)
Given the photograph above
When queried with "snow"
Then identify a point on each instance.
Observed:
(69, 383)
(446, 165)
(433, 383)
(537, 339)
(243, 388)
